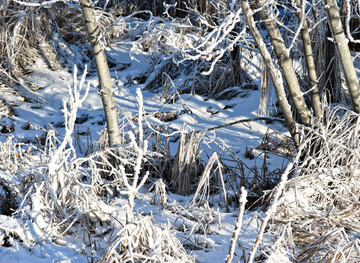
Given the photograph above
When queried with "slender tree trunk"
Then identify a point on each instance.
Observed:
(341, 42)
(315, 96)
(332, 76)
(275, 76)
(285, 63)
(327, 67)
(105, 84)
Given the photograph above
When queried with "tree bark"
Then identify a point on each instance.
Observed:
(275, 76)
(106, 93)
(332, 75)
(285, 63)
(315, 95)
(341, 42)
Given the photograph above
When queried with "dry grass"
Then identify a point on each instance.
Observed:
(187, 164)
(160, 196)
(319, 216)
(29, 34)
(14, 156)
(142, 241)
(68, 194)
(277, 143)
(221, 84)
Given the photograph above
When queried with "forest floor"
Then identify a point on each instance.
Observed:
(28, 122)
(306, 222)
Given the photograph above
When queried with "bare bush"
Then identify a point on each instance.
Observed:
(222, 84)
(209, 54)
(57, 198)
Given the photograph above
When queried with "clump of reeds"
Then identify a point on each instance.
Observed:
(187, 164)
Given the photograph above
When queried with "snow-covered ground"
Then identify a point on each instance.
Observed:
(31, 120)
(74, 203)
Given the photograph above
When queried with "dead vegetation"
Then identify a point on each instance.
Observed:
(318, 216)
(221, 84)
(54, 35)
(31, 33)
(142, 241)
(69, 195)
(314, 217)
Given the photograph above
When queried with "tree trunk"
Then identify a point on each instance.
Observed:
(332, 75)
(102, 68)
(276, 78)
(285, 64)
(333, 17)
(315, 96)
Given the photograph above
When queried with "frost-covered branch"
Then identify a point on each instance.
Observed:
(220, 39)
(347, 21)
(70, 108)
(238, 225)
(45, 4)
(49, 195)
(196, 38)
(140, 147)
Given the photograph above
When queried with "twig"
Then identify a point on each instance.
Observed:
(238, 225)
(241, 121)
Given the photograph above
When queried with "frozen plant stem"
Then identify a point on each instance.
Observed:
(309, 58)
(74, 102)
(49, 192)
(238, 225)
(140, 147)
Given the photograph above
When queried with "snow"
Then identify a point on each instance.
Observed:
(238, 137)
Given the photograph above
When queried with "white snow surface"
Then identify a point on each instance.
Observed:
(55, 89)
